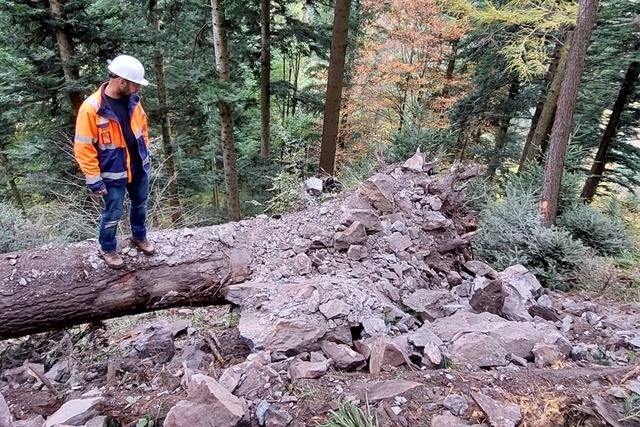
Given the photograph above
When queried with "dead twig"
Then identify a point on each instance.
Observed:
(35, 373)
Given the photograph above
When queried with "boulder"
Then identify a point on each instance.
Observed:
(75, 412)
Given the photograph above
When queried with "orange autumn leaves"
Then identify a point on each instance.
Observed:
(403, 74)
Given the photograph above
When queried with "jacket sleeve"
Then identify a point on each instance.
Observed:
(84, 147)
(145, 128)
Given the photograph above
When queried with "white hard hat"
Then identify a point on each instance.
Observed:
(129, 68)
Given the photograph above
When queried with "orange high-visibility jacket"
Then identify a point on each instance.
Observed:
(99, 144)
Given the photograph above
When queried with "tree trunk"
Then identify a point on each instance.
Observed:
(334, 86)
(564, 116)
(265, 79)
(174, 198)
(451, 66)
(538, 142)
(226, 120)
(66, 48)
(541, 100)
(503, 129)
(4, 160)
(600, 161)
(38, 295)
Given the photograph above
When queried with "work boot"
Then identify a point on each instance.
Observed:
(145, 246)
(113, 259)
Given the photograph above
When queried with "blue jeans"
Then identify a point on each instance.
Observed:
(138, 191)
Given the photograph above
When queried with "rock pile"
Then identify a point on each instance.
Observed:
(372, 281)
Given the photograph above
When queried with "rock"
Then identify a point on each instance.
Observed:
(435, 220)
(75, 412)
(415, 163)
(58, 370)
(100, 421)
(479, 268)
(302, 264)
(456, 404)
(342, 355)
(383, 351)
(5, 415)
(261, 410)
(486, 339)
(208, 405)
(314, 186)
(453, 278)
(546, 355)
(498, 414)
(277, 417)
(448, 421)
(544, 312)
(300, 369)
(282, 335)
(357, 252)
(354, 235)
(522, 289)
(423, 337)
(387, 389)
(490, 298)
(373, 327)
(634, 386)
(428, 304)
(37, 421)
(366, 217)
(155, 342)
(378, 190)
(398, 242)
(334, 309)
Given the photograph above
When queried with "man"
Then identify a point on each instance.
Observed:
(111, 146)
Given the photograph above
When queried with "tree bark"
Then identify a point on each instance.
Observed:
(600, 161)
(537, 144)
(334, 86)
(451, 66)
(265, 79)
(170, 165)
(66, 285)
(226, 120)
(564, 115)
(66, 48)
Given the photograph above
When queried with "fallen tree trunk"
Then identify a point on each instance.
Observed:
(62, 286)
(399, 225)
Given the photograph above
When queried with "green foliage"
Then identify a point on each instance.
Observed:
(11, 221)
(632, 407)
(512, 234)
(607, 235)
(351, 415)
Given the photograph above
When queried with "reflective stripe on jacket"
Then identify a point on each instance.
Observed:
(99, 145)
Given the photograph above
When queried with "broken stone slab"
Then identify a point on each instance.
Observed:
(234, 375)
(156, 342)
(429, 304)
(356, 234)
(37, 421)
(489, 298)
(482, 338)
(547, 355)
(423, 337)
(5, 414)
(434, 220)
(366, 217)
(302, 264)
(373, 327)
(382, 390)
(277, 417)
(334, 309)
(378, 190)
(415, 163)
(208, 405)
(383, 351)
(100, 421)
(343, 356)
(398, 242)
(75, 412)
(479, 268)
(300, 369)
(522, 289)
(357, 252)
(452, 421)
(499, 414)
(456, 404)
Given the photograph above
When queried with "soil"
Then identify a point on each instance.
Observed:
(136, 389)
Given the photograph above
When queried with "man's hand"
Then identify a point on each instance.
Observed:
(101, 192)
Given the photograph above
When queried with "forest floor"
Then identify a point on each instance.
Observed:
(568, 394)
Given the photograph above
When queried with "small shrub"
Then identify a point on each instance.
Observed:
(606, 235)
(512, 233)
(11, 221)
(351, 415)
